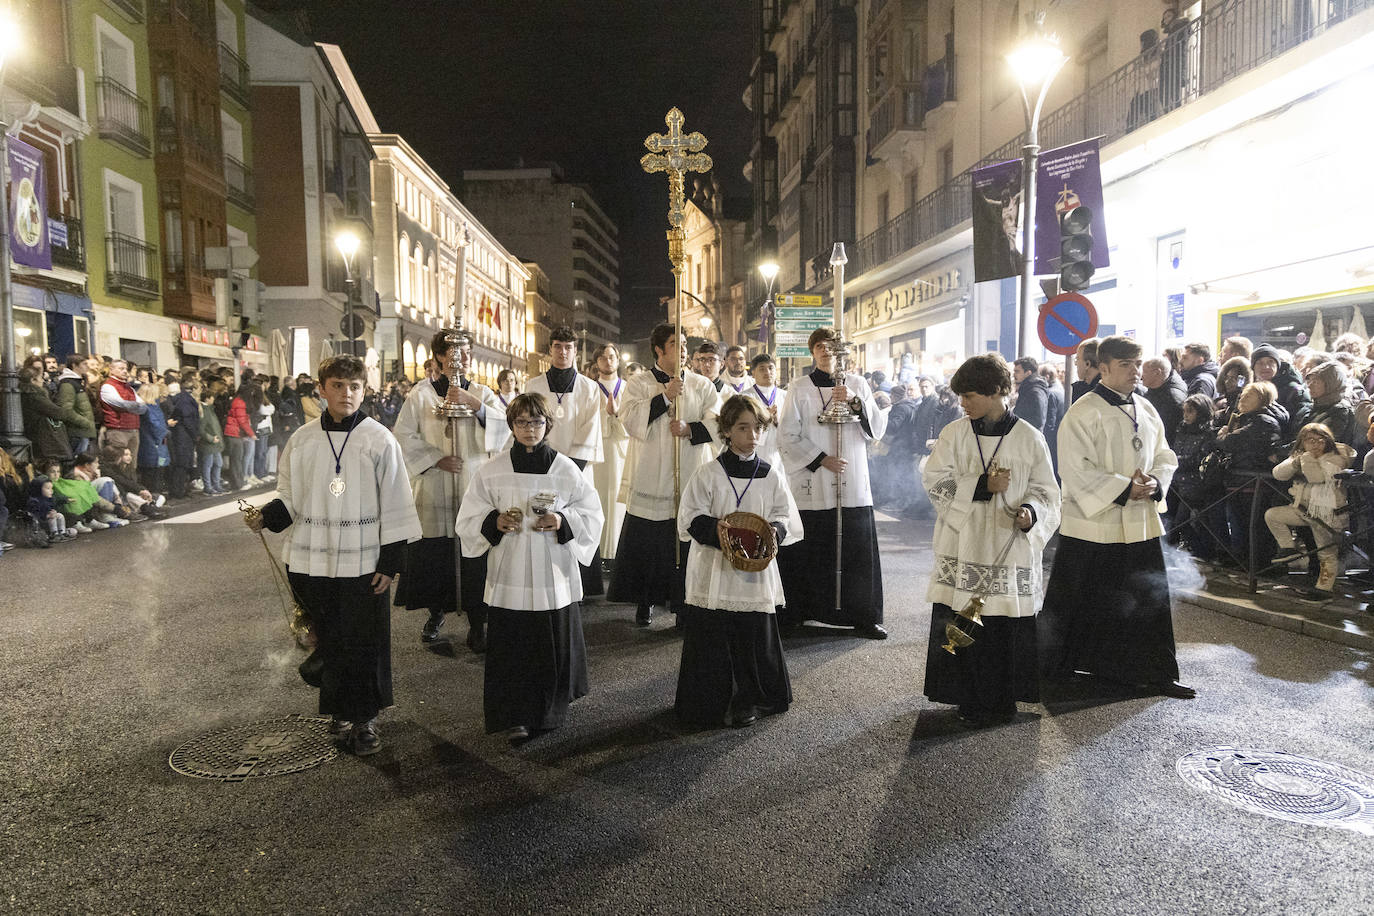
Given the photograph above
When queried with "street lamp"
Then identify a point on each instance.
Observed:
(347, 242)
(1034, 62)
(769, 272)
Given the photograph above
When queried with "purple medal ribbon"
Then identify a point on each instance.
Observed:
(768, 402)
(739, 496)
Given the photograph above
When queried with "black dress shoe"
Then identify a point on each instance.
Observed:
(870, 631)
(644, 615)
(477, 638)
(1177, 691)
(517, 735)
(742, 719)
(430, 632)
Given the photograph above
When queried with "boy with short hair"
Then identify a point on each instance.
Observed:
(343, 491)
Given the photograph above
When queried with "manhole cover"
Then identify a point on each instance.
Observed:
(271, 748)
(1284, 786)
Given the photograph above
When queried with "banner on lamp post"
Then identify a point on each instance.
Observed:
(1067, 178)
(29, 241)
(996, 211)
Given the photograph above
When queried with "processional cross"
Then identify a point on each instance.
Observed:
(677, 154)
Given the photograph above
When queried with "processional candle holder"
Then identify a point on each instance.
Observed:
(837, 411)
(449, 409)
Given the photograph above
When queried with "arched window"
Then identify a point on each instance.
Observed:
(408, 359)
(403, 274)
(431, 279)
(421, 354)
(417, 277)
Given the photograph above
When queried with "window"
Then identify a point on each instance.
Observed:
(417, 278)
(911, 190)
(431, 277)
(232, 133)
(124, 205)
(300, 352)
(226, 26)
(115, 55)
(884, 209)
(403, 273)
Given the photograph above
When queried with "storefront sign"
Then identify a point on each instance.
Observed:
(219, 337)
(910, 297)
(29, 243)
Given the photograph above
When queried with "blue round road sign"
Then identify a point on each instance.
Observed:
(1066, 321)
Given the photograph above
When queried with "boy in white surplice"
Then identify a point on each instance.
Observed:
(996, 504)
(536, 518)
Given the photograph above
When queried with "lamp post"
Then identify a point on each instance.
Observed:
(769, 271)
(347, 243)
(11, 412)
(1034, 62)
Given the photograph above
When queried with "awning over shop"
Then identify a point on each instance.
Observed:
(209, 351)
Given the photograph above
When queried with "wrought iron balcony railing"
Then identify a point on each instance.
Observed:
(131, 8)
(239, 181)
(123, 116)
(72, 253)
(131, 266)
(233, 75)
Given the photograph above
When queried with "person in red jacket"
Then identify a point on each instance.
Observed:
(239, 435)
(120, 409)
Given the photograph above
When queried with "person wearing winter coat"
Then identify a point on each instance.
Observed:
(1189, 496)
(1234, 376)
(183, 419)
(44, 424)
(1198, 370)
(1250, 437)
(210, 439)
(71, 396)
(1317, 500)
(1165, 390)
(1270, 366)
(43, 508)
(1032, 394)
(153, 455)
(239, 436)
(1326, 382)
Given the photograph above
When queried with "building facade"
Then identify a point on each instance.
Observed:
(560, 226)
(543, 314)
(43, 108)
(714, 265)
(1194, 119)
(313, 165)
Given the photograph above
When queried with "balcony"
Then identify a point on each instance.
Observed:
(72, 253)
(130, 8)
(938, 83)
(49, 82)
(188, 291)
(238, 179)
(131, 266)
(190, 16)
(233, 75)
(123, 117)
(189, 142)
(334, 180)
(896, 121)
(808, 161)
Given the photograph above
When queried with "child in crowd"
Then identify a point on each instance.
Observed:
(344, 493)
(1317, 499)
(210, 440)
(86, 509)
(1194, 439)
(732, 669)
(44, 506)
(118, 465)
(538, 520)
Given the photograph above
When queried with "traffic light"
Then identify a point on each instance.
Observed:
(1075, 249)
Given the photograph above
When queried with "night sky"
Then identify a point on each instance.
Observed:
(485, 83)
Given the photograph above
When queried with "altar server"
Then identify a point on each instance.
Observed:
(615, 443)
(644, 573)
(736, 374)
(343, 492)
(1106, 608)
(575, 402)
(808, 453)
(438, 479)
(763, 388)
(996, 504)
(732, 668)
(535, 516)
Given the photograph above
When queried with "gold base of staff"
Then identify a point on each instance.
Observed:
(297, 620)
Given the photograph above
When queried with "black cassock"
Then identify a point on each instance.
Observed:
(1107, 612)
(808, 570)
(427, 580)
(644, 571)
(536, 665)
(992, 675)
(353, 628)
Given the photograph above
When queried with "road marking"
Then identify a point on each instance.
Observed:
(204, 515)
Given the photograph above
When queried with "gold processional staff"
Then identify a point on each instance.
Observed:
(677, 154)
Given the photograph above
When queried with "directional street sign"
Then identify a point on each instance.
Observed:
(1066, 321)
(791, 299)
(795, 323)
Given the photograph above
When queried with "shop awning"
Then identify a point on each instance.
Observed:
(209, 351)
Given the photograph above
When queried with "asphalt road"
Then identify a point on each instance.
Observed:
(863, 798)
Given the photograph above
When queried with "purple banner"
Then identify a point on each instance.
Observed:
(29, 243)
(1066, 178)
(997, 221)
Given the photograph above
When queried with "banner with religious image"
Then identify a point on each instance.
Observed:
(1068, 178)
(29, 242)
(997, 221)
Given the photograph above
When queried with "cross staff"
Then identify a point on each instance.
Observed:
(677, 154)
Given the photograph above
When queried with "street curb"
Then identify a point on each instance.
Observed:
(1295, 623)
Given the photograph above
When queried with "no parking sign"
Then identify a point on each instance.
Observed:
(1065, 322)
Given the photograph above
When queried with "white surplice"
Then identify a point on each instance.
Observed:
(712, 582)
(802, 439)
(342, 536)
(768, 441)
(577, 433)
(1096, 461)
(607, 476)
(970, 536)
(529, 570)
(424, 439)
(651, 489)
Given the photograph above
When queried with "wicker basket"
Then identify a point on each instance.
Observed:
(750, 542)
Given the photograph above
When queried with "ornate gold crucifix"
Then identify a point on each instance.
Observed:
(677, 154)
